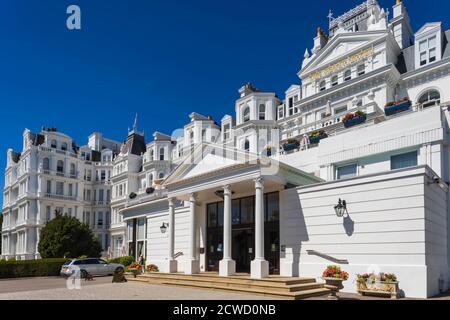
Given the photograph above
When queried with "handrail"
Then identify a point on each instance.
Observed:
(177, 255)
(327, 257)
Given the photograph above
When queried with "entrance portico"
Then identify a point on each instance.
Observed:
(201, 184)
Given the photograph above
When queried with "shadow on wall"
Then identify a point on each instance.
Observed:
(349, 225)
(294, 229)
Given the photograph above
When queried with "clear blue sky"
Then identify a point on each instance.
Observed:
(160, 58)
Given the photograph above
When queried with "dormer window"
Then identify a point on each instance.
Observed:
(53, 144)
(428, 44)
(64, 146)
(246, 114)
(427, 51)
(323, 86)
(281, 112)
(262, 112)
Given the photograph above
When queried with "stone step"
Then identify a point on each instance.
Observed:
(273, 281)
(275, 287)
(232, 288)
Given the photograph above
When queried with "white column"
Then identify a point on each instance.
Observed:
(227, 267)
(171, 263)
(259, 266)
(192, 263)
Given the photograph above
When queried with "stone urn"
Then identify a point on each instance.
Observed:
(333, 284)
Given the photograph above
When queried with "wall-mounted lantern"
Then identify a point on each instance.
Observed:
(164, 227)
(341, 208)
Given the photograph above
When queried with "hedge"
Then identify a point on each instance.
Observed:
(126, 261)
(31, 268)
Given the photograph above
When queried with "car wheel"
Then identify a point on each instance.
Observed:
(120, 270)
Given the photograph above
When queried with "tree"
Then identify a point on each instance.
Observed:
(67, 237)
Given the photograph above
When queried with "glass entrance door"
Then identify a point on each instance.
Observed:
(243, 249)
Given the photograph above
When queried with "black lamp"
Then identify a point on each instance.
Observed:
(340, 208)
(164, 227)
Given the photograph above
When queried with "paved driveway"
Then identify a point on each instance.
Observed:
(32, 284)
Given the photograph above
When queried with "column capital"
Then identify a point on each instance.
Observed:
(259, 183)
(171, 201)
(227, 189)
(193, 197)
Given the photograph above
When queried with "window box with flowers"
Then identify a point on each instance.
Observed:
(333, 277)
(395, 107)
(291, 144)
(384, 284)
(354, 118)
(316, 136)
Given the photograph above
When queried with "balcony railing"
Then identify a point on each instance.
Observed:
(58, 173)
(60, 197)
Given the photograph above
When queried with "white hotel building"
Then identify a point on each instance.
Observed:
(368, 123)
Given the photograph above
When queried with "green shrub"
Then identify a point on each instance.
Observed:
(31, 268)
(126, 260)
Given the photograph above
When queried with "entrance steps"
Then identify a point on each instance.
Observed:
(274, 286)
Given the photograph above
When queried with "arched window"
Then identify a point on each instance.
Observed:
(161, 175)
(347, 75)
(46, 164)
(322, 85)
(246, 114)
(361, 69)
(64, 146)
(262, 112)
(334, 81)
(60, 166)
(161, 154)
(53, 144)
(247, 145)
(430, 98)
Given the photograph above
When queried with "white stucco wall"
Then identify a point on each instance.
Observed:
(397, 223)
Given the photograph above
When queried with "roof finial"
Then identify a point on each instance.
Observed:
(135, 125)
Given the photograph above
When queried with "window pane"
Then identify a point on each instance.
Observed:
(423, 46)
(432, 43)
(433, 55)
(220, 214)
(141, 229)
(212, 215)
(346, 172)
(247, 210)
(235, 212)
(405, 160)
(272, 207)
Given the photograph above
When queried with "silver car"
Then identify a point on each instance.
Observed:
(92, 266)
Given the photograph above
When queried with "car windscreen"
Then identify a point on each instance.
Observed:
(67, 263)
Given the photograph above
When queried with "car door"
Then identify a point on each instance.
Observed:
(90, 265)
(103, 267)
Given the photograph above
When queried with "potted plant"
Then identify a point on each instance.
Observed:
(354, 118)
(133, 195)
(333, 277)
(135, 268)
(291, 144)
(152, 268)
(381, 284)
(316, 136)
(395, 107)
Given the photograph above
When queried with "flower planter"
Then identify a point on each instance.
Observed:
(390, 289)
(291, 146)
(135, 271)
(355, 121)
(316, 139)
(333, 284)
(403, 106)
